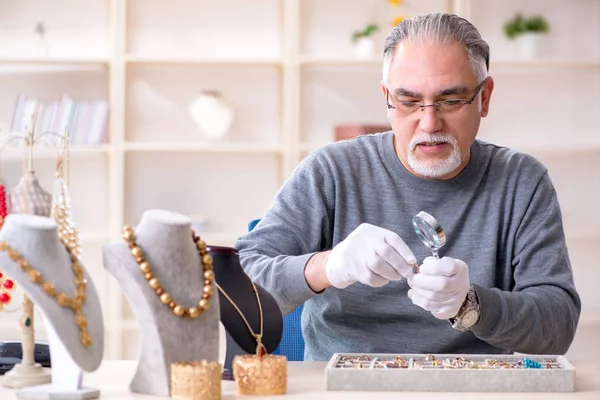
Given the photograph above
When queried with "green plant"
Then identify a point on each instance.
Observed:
(520, 25)
(368, 31)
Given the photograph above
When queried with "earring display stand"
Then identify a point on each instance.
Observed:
(27, 372)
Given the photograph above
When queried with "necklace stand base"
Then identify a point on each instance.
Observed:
(21, 376)
(47, 392)
(66, 376)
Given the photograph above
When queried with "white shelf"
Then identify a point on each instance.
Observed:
(566, 150)
(45, 152)
(545, 63)
(167, 60)
(47, 65)
(339, 62)
(590, 319)
(171, 147)
(582, 235)
(54, 60)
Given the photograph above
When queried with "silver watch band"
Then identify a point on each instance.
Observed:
(469, 314)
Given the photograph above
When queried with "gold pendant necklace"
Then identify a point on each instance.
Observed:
(165, 298)
(261, 350)
(74, 303)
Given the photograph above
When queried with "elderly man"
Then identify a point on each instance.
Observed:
(338, 236)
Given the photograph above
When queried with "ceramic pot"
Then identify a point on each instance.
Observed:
(364, 48)
(211, 114)
(529, 45)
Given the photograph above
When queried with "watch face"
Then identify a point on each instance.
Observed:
(469, 318)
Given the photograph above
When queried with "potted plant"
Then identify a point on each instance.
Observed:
(364, 46)
(528, 31)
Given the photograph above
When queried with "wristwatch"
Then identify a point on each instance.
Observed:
(469, 313)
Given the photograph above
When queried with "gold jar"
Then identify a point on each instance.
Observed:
(260, 375)
(196, 380)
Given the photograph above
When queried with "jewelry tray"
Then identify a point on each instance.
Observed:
(451, 373)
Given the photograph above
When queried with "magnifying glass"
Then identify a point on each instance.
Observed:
(430, 232)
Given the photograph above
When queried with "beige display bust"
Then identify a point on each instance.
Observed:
(36, 239)
(166, 241)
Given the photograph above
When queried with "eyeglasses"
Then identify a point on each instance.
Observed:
(446, 106)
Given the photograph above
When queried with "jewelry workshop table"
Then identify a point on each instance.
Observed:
(307, 380)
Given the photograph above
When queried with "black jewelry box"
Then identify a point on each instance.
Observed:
(11, 353)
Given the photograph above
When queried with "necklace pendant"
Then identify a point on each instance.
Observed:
(261, 350)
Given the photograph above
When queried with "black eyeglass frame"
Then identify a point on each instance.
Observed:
(436, 105)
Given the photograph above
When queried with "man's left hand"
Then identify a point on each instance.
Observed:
(441, 286)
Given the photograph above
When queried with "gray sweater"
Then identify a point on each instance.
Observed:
(500, 214)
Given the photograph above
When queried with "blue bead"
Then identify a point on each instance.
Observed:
(528, 363)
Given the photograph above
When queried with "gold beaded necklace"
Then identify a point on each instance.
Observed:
(261, 350)
(74, 303)
(165, 298)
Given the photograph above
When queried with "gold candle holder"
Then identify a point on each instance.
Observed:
(196, 380)
(260, 375)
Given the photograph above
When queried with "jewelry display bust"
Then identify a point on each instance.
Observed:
(237, 290)
(32, 254)
(166, 242)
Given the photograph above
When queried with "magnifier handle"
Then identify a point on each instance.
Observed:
(416, 266)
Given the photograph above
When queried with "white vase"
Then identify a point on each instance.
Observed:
(529, 45)
(211, 114)
(364, 48)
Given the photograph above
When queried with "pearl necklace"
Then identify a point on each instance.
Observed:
(165, 298)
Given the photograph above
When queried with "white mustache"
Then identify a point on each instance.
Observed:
(431, 138)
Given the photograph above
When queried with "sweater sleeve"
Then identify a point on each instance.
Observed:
(293, 229)
(541, 313)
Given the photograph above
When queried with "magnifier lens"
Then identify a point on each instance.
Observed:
(429, 231)
(427, 234)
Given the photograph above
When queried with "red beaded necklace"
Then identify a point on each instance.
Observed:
(6, 285)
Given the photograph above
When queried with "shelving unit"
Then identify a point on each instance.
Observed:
(287, 68)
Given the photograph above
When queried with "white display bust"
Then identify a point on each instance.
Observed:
(166, 240)
(36, 239)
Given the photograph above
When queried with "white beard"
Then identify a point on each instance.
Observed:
(434, 168)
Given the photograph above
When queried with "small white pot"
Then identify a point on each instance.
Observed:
(364, 48)
(529, 45)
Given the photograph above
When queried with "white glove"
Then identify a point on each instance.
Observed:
(370, 255)
(441, 286)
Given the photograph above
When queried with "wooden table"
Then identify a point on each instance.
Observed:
(307, 381)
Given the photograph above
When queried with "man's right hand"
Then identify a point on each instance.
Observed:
(370, 255)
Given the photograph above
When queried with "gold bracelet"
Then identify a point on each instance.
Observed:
(196, 380)
(260, 375)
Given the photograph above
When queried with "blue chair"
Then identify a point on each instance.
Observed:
(292, 341)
